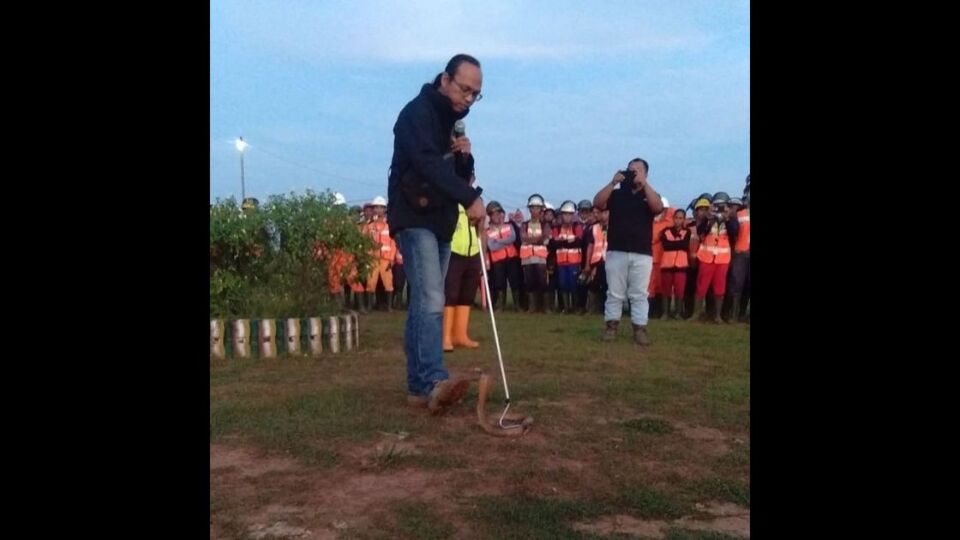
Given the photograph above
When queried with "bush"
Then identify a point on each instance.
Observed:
(272, 262)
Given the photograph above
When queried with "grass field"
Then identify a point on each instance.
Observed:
(627, 442)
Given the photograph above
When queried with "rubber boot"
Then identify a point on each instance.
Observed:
(461, 321)
(734, 308)
(591, 302)
(699, 309)
(449, 315)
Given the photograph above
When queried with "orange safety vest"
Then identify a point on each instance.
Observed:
(658, 227)
(340, 259)
(678, 258)
(497, 233)
(379, 231)
(715, 247)
(599, 244)
(743, 237)
(533, 250)
(567, 256)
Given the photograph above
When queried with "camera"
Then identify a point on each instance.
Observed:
(628, 175)
(720, 213)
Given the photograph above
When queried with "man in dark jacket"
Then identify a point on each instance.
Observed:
(429, 177)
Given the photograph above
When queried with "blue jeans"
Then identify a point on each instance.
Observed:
(567, 277)
(628, 275)
(425, 261)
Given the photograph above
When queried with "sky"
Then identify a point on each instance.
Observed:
(572, 92)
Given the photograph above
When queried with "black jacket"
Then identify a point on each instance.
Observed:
(426, 182)
(675, 245)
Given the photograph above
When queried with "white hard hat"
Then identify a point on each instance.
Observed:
(568, 206)
(338, 198)
(666, 203)
(378, 201)
(548, 206)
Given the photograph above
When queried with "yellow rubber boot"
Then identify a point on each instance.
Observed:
(461, 321)
(448, 318)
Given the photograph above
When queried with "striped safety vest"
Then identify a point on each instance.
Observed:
(498, 233)
(715, 247)
(743, 237)
(677, 258)
(534, 228)
(599, 244)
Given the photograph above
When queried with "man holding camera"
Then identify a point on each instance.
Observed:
(629, 259)
(717, 233)
(429, 176)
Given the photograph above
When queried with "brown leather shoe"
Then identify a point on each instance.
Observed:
(640, 335)
(419, 402)
(447, 393)
(610, 334)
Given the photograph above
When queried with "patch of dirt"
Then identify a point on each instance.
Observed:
(575, 403)
(706, 441)
(246, 462)
(557, 463)
(279, 530)
(670, 471)
(723, 509)
(700, 433)
(712, 441)
(316, 503)
(348, 496)
(384, 451)
(731, 519)
(624, 524)
(733, 525)
(271, 495)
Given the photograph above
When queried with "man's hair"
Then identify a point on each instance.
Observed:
(454, 64)
(681, 212)
(646, 166)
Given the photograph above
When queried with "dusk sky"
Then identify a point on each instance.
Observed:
(572, 91)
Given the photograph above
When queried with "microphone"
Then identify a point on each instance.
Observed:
(459, 130)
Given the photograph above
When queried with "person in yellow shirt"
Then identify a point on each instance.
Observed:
(461, 283)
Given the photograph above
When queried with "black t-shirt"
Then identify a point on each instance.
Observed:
(631, 222)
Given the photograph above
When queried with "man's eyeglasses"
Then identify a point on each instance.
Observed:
(477, 96)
